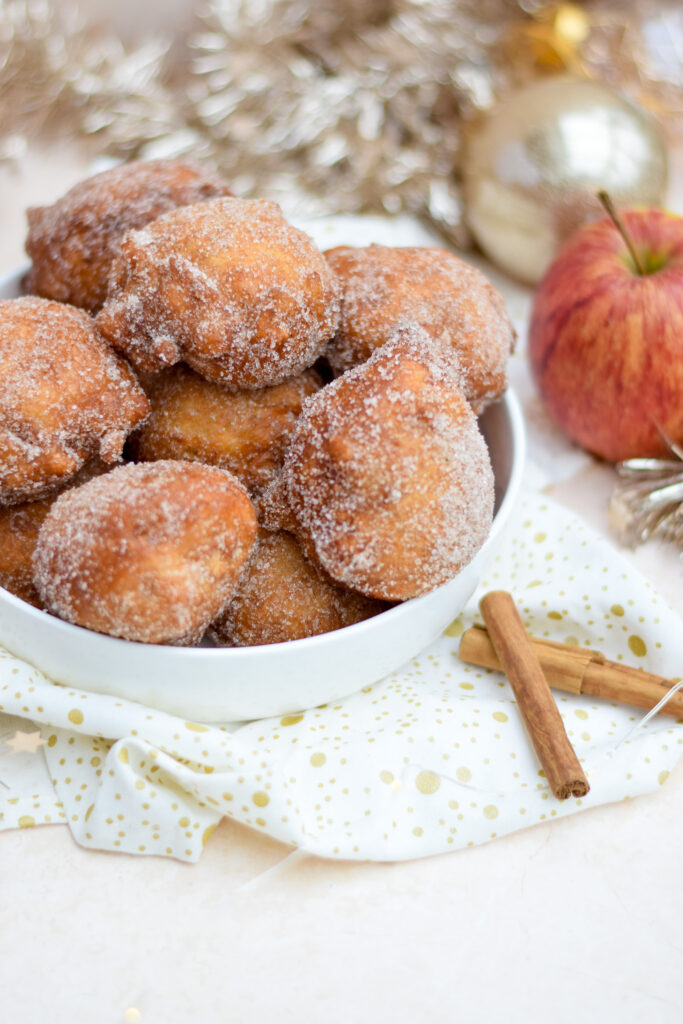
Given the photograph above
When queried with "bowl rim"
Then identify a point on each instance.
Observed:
(198, 655)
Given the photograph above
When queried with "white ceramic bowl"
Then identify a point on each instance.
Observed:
(236, 684)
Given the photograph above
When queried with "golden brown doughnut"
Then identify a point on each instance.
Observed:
(384, 288)
(73, 242)
(149, 552)
(243, 431)
(64, 396)
(282, 596)
(19, 528)
(387, 477)
(227, 286)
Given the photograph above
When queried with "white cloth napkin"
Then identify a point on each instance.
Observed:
(433, 758)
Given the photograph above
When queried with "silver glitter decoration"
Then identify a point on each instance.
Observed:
(60, 76)
(648, 500)
(328, 106)
(351, 107)
(324, 106)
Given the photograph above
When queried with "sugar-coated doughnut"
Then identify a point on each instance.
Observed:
(64, 396)
(387, 477)
(19, 529)
(150, 552)
(282, 597)
(384, 288)
(227, 286)
(243, 431)
(72, 242)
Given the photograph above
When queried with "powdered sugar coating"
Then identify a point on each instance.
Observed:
(19, 529)
(64, 396)
(227, 286)
(73, 242)
(387, 476)
(384, 288)
(148, 552)
(245, 432)
(283, 597)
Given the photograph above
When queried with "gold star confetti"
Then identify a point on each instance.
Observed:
(25, 742)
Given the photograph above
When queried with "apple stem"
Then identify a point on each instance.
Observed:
(606, 201)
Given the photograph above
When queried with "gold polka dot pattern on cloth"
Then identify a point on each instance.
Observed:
(433, 758)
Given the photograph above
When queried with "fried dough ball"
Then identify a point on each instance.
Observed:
(149, 552)
(64, 396)
(283, 597)
(73, 242)
(19, 528)
(243, 431)
(229, 287)
(387, 476)
(384, 288)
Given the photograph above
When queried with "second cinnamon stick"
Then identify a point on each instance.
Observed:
(536, 703)
(580, 670)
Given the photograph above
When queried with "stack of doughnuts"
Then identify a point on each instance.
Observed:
(211, 429)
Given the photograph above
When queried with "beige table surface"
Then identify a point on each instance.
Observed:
(579, 919)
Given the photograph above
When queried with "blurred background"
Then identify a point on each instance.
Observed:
(493, 121)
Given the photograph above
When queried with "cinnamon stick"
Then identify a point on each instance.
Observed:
(579, 670)
(536, 703)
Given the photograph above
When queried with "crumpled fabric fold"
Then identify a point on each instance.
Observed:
(433, 758)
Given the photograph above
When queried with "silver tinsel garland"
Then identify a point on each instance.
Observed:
(648, 500)
(59, 74)
(328, 106)
(346, 107)
(325, 106)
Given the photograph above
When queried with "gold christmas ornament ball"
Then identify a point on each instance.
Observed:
(533, 165)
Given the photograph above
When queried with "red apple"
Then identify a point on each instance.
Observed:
(606, 340)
